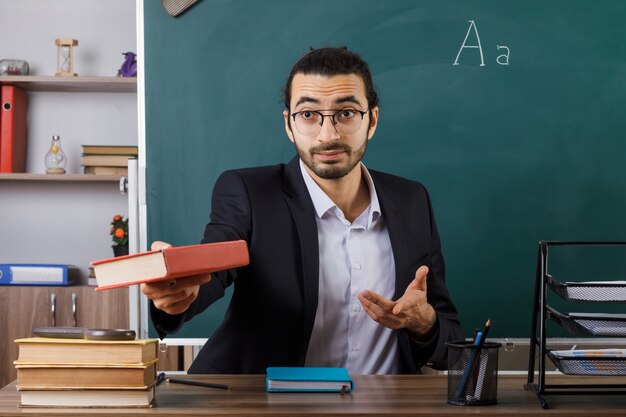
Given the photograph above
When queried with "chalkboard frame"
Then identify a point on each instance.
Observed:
(512, 150)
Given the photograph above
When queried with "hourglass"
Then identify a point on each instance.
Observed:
(65, 56)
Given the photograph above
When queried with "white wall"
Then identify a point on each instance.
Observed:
(58, 222)
(104, 29)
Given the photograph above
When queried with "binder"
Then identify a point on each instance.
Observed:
(36, 274)
(13, 110)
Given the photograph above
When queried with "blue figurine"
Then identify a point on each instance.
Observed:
(129, 67)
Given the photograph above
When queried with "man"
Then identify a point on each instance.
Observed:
(345, 264)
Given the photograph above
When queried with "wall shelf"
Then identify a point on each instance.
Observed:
(72, 84)
(28, 177)
(65, 218)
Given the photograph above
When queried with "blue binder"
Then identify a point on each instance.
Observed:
(35, 274)
(301, 379)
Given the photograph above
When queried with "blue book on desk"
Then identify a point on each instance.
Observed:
(302, 379)
(35, 274)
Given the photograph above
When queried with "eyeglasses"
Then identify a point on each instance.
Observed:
(345, 121)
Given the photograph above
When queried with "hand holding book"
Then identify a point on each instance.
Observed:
(175, 296)
(172, 296)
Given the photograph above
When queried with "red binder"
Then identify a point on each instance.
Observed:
(13, 108)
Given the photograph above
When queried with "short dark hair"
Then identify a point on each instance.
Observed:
(332, 61)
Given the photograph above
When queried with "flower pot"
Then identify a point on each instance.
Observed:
(120, 250)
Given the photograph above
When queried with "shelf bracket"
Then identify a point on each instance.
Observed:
(123, 185)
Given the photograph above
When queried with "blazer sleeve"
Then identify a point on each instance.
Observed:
(230, 220)
(433, 353)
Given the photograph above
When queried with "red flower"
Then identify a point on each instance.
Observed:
(119, 231)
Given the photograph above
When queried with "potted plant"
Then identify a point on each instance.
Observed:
(119, 234)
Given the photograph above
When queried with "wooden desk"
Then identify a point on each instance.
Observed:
(373, 395)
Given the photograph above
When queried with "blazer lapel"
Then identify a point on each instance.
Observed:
(397, 232)
(303, 212)
(399, 245)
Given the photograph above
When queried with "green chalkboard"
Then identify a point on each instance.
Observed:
(519, 140)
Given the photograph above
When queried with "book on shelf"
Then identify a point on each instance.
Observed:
(87, 398)
(110, 149)
(37, 274)
(308, 379)
(36, 376)
(45, 351)
(107, 160)
(91, 278)
(98, 170)
(13, 114)
(173, 262)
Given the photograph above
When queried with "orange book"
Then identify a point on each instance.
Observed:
(174, 262)
(59, 351)
(80, 376)
(13, 129)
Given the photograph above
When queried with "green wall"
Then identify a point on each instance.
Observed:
(511, 154)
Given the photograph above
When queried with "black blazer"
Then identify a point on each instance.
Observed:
(271, 313)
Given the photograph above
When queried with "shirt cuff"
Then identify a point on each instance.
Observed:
(428, 338)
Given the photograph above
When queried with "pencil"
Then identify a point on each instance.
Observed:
(478, 342)
(160, 378)
(197, 383)
(462, 387)
(481, 356)
(486, 330)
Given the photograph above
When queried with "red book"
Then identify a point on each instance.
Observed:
(13, 129)
(174, 262)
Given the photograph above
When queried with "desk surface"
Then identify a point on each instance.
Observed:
(375, 395)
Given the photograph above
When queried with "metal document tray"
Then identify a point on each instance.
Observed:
(590, 324)
(582, 365)
(590, 291)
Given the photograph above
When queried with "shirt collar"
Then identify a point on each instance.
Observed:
(323, 203)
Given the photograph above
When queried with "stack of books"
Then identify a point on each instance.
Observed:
(86, 373)
(107, 159)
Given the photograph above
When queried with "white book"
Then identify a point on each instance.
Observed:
(100, 398)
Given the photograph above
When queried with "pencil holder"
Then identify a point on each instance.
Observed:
(472, 373)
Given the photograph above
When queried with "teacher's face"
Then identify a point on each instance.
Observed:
(335, 148)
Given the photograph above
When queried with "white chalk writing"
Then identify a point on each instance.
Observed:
(502, 59)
